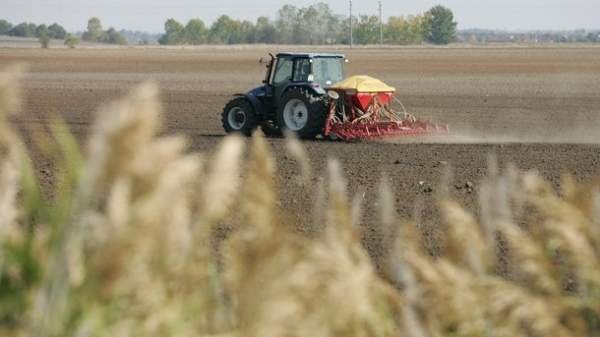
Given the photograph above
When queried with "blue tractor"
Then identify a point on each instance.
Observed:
(293, 96)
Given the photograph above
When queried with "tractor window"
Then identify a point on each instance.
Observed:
(283, 72)
(301, 70)
(328, 70)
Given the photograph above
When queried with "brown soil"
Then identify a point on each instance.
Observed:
(536, 108)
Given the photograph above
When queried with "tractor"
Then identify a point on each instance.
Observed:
(306, 93)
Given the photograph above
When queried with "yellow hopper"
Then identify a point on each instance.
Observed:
(363, 83)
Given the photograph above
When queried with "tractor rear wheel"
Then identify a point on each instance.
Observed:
(239, 116)
(302, 112)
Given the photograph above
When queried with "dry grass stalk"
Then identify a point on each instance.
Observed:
(277, 276)
(568, 230)
(120, 133)
(462, 294)
(9, 151)
(298, 152)
(357, 208)
(137, 244)
(10, 160)
(318, 216)
(10, 90)
(222, 180)
(339, 218)
(475, 255)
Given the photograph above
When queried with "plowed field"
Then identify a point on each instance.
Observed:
(536, 108)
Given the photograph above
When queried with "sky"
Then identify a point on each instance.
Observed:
(150, 15)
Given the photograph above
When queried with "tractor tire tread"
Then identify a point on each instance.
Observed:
(252, 120)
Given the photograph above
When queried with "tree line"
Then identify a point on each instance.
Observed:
(27, 29)
(94, 33)
(316, 24)
(528, 37)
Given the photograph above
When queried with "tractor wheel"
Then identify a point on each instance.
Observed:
(302, 112)
(239, 116)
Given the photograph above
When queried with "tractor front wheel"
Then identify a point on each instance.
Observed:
(302, 112)
(239, 116)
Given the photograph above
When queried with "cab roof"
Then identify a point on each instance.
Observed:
(311, 55)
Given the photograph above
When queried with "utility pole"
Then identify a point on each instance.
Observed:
(380, 24)
(351, 36)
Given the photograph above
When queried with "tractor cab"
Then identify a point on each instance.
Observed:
(319, 70)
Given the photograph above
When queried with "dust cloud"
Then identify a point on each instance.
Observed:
(578, 131)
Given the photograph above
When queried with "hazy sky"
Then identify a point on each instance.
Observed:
(149, 15)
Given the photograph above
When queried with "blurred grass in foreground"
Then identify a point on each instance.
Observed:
(125, 246)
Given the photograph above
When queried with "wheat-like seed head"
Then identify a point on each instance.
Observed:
(10, 158)
(568, 230)
(257, 236)
(339, 220)
(403, 276)
(258, 204)
(319, 205)
(10, 90)
(287, 285)
(494, 204)
(466, 245)
(9, 187)
(298, 152)
(122, 129)
(357, 208)
(387, 212)
(531, 264)
(595, 216)
(223, 179)
(513, 311)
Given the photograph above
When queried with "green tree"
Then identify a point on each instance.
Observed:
(442, 27)
(316, 24)
(195, 32)
(42, 30)
(72, 41)
(57, 31)
(343, 34)
(309, 26)
(319, 24)
(113, 37)
(174, 33)
(5, 27)
(246, 32)
(229, 31)
(94, 30)
(23, 29)
(44, 39)
(335, 28)
(288, 24)
(406, 30)
(265, 31)
(367, 30)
